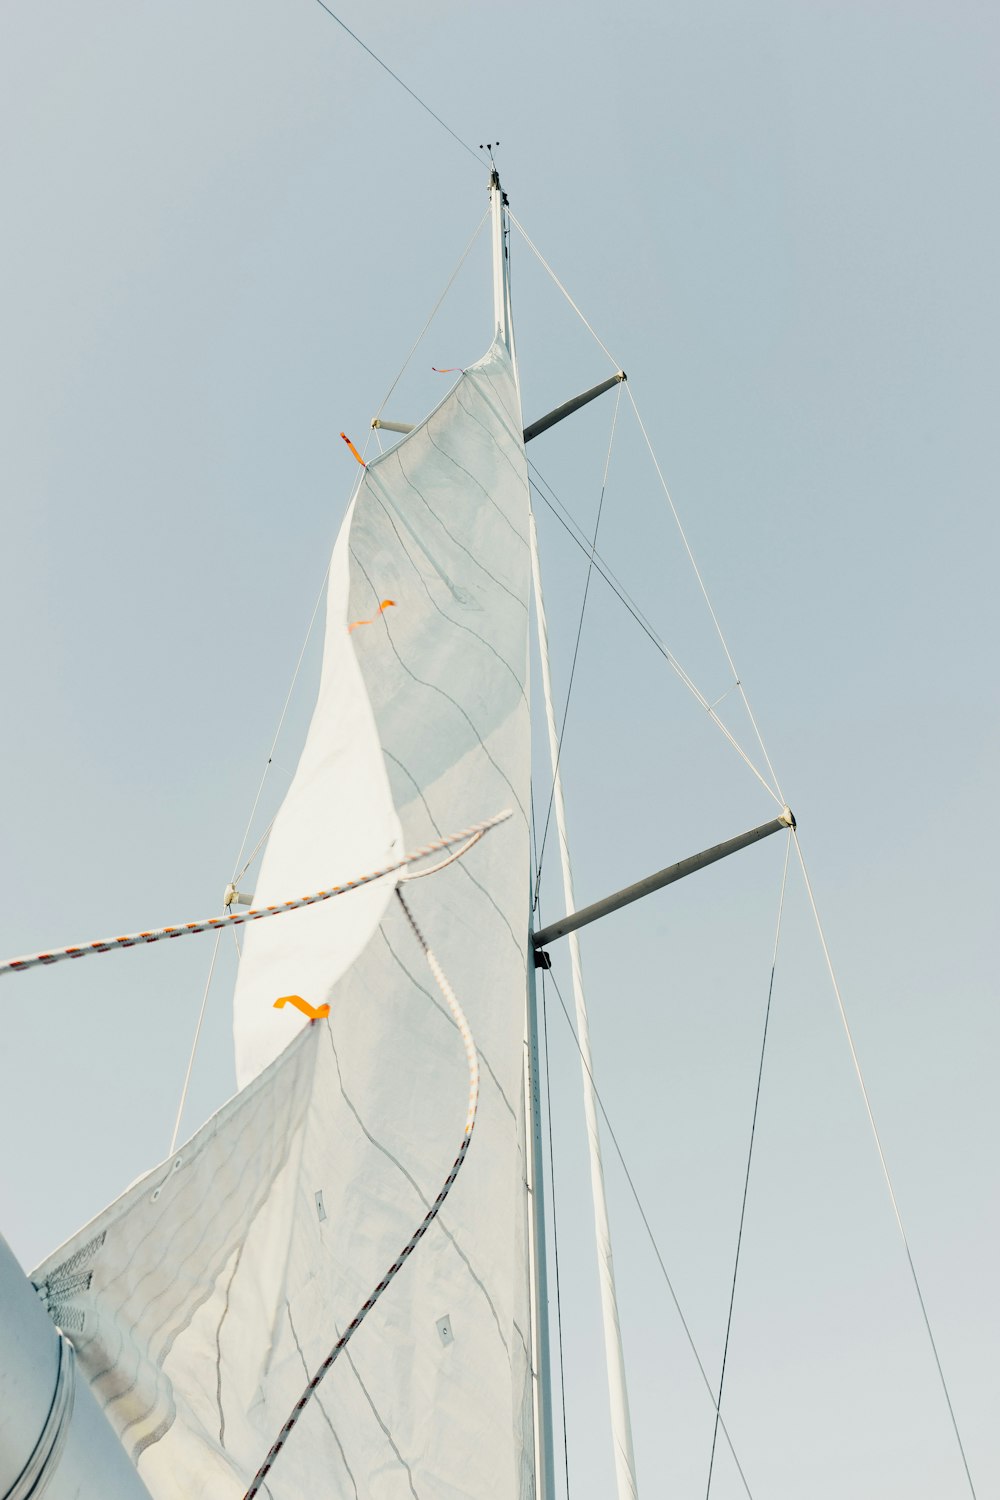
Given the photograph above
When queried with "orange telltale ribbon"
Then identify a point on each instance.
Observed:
(313, 1012)
(354, 450)
(386, 604)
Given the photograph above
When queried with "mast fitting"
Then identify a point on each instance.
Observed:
(233, 897)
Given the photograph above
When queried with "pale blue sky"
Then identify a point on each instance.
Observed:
(224, 228)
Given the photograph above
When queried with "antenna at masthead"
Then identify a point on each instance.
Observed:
(502, 321)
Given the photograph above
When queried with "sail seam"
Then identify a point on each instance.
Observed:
(319, 1402)
(443, 613)
(452, 537)
(518, 472)
(479, 486)
(433, 687)
(378, 1417)
(175, 1332)
(218, 1345)
(379, 1146)
(444, 1013)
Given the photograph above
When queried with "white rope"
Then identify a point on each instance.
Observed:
(237, 919)
(443, 863)
(544, 263)
(881, 1156)
(472, 1061)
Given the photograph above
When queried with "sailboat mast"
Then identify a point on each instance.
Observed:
(503, 322)
(538, 1279)
(621, 1422)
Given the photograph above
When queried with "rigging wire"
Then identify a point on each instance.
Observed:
(540, 853)
(194, 1044)
(281, 717)
(881, 1156)
(395, 76)
(655, 1247)
(746, 1180)
(544, 263)
(555, 1232)
(434, 312)
(737, 680)
(776, 792)
(569, 525)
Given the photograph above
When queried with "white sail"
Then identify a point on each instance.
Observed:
(219, 1283)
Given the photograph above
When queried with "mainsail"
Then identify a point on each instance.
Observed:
(203, 1299)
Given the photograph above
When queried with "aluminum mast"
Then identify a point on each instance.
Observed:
(538, 1280)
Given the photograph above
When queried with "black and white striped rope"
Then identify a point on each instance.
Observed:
(468, 835)
(473, 1064)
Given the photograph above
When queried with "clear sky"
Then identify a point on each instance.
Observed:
(224, 228)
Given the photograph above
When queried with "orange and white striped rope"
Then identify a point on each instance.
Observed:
(472, 1060)
(255, 914)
